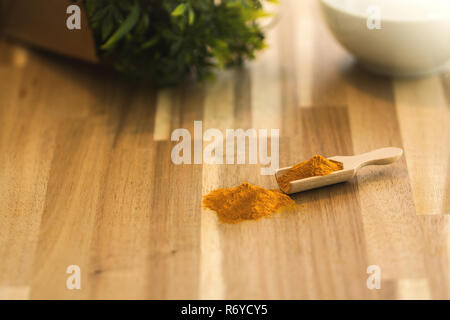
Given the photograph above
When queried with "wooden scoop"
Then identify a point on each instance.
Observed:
(351, 166)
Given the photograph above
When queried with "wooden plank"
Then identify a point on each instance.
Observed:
(26, 148)
(164, 104)
(14, 293)
(71, 203)
(266, 87)
(435, 231)
(305, 32)
(218, 113)
(423, 115)
(390, 223)
(121, 253)
(335, 211)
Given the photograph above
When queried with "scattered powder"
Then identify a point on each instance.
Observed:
(246, 202)
(316, 166)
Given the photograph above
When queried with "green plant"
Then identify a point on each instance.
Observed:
(171, 40)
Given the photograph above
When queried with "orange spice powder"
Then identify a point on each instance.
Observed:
(246, 202)
(316, 166)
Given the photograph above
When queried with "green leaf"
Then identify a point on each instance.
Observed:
(150, 42)
(179, 10)
(107, 27)
(142, 25)
(256, 14)
(191, 16)
(124, 28)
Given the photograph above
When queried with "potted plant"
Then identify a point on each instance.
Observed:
(166, 41)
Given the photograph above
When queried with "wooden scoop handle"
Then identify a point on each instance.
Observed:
(377, 157)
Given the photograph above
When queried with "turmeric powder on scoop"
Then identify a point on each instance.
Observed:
(246, 202)
(316, 166)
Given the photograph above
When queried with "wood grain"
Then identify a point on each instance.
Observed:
(86, 178)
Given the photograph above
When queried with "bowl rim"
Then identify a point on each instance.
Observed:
(362, 15)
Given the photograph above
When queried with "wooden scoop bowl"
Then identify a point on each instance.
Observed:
(351, 165)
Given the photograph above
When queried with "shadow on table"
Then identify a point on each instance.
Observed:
(377, 86)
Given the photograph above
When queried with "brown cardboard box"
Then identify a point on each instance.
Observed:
(43, 23)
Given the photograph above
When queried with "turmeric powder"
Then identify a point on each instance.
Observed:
(316, 166)
(246, 202)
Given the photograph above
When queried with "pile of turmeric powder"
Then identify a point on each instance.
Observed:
(316, 166)
(246, 202)
(249, 202)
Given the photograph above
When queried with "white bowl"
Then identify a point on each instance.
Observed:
(414, 38)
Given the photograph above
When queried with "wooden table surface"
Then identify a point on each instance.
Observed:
(86, 179)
